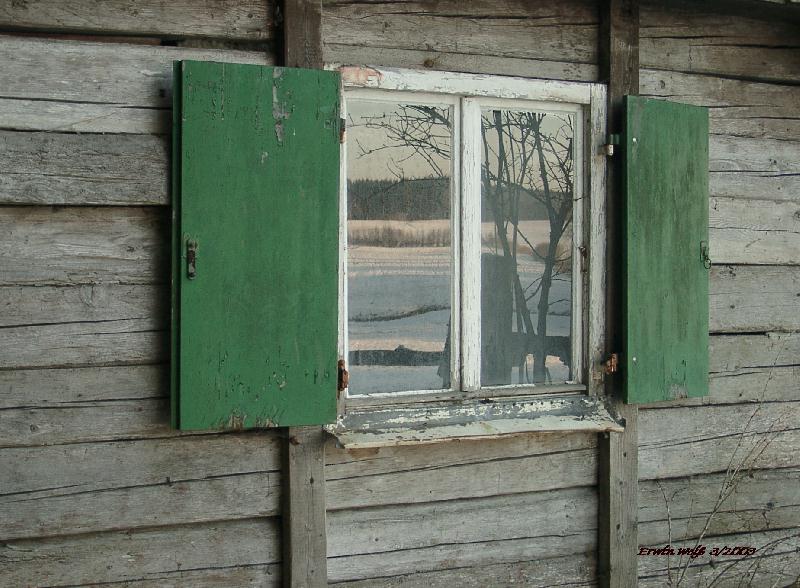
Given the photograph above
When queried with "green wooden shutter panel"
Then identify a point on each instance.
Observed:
(666, 236)
(255, 194)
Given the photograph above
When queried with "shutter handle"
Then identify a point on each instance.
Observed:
(704, 254)
(191, 259)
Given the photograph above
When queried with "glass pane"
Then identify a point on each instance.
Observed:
(399, 246)
(526, 255)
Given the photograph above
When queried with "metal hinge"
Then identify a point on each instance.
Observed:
(608, 148)
(343, 378)
(342, 130)
(612, 364)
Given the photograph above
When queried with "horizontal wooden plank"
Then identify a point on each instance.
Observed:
(65, 168)
(246, 20)
(39, 472)
(94, 87)
(728, 353)
(452, 542)
(565, 32)
(68, 246)
(73, 387)
(485, 478)
(754, 232)
(755, 500)
(171, 502)
(755, 185)
(685, 441)
(343, 464)
(101, 421)
(49, 305)
(726, 98)
(137, 341)
(728, 154)
(774, 564)
(385, 529)
(137, 555)
(575, 570)
(339, 54)
(754, 298)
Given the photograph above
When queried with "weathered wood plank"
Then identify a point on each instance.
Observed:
(692, 440)
(553, 524)
(575, 570)
(727, 154)
(493, 477)
(755, 185)
(39, 472)
(774, 564)
(115, 342)
(748, 501)
(305, 544)
(246, 20)
(753, 298)
(754, 231)
(403, 33)
(406, 527)
(48, 305)
(94, 87)
(728, 353)
(726, 98)
(169, 502)
(76, 386)
(343, 464)
(482, 64)
(88, 422)
(140, 554)
(67, 246)
(62, 168)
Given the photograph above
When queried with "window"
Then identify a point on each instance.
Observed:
(471, 207)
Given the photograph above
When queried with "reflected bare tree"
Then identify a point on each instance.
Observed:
(528, 164)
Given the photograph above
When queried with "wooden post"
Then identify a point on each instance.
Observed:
(619, 468)
(305, 549)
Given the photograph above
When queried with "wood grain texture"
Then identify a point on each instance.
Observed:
(557, 41)
(94, 87)
(67, 246)
(61, 168)
(302, 33)
(248, 20)
(754, 298)
(574, 570)
(499, 536)
(680, 508)
(760, 232)
(71, 489)
(692, 440)
(774, 564)
(157, 555)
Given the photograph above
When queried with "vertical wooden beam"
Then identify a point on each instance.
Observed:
(303, 514)
(302, 38)
(305, 548)
(619, 468)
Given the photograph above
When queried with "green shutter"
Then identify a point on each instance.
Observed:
(666, 235)
(255, 194)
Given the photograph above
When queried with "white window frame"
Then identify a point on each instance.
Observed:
(467, 94)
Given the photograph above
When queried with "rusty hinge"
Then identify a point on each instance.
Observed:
(343, 378)
(342, 130)
(612, 364)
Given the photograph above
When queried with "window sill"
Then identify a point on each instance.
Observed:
(473, 419)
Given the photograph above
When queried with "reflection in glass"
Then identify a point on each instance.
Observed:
(527, 193)
(399, 246)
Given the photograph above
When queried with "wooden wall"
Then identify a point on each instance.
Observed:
(747, 71)
(94, 487)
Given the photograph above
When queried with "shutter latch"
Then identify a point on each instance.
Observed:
(612, 364)
(191, 259)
